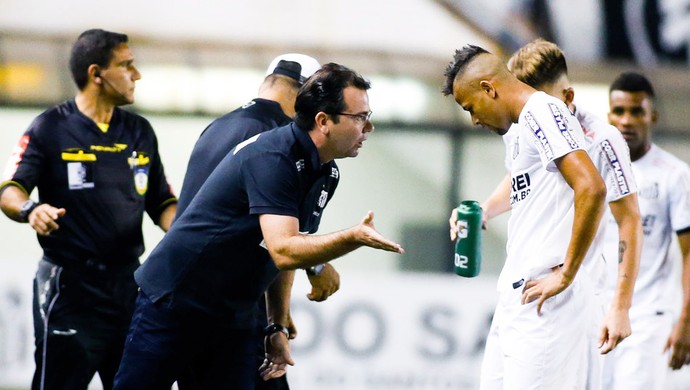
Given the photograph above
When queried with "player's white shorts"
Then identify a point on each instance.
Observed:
(551, 351)
(639, 362)
(595, 363)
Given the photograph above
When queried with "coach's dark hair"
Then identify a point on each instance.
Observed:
(323, 92)
(632, 82)
(461, 58)
(93, 46)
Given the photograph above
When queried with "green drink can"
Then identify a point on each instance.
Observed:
(468, 247)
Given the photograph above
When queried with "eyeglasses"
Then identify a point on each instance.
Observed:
(360, 118)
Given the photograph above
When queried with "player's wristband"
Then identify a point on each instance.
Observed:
(274, 328)
(315, 270)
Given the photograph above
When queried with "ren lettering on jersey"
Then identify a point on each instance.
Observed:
(519, 188)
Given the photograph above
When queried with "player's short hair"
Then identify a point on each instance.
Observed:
(538, 63)
(632, 82)
(93, 46)
(461, 58)
(323, 92)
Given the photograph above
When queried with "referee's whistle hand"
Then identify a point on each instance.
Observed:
(43, 219)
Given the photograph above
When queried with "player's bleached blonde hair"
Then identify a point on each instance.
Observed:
(538, 62)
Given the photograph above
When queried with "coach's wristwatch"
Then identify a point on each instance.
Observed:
(275, 328)
(315, 270)
(26, 209)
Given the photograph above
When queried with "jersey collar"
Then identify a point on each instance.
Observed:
(307, 145)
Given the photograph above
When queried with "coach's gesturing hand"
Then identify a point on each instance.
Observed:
(368, 236)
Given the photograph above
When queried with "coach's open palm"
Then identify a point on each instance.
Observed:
(368, 236)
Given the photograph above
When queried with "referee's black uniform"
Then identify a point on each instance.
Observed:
(84, 290)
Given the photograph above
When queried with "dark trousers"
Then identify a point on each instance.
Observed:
(81, 317)
(162, 345)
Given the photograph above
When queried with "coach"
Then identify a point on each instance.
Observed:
(211, 267)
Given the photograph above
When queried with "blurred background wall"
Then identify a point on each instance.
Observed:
(204, 58)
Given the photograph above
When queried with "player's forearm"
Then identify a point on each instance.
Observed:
(684, 241)
(278, 298)
(629, 250)
(589, 208)
(499, 200)
(626, 212)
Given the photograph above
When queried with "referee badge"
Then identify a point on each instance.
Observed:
(139, 163)
(79, 168)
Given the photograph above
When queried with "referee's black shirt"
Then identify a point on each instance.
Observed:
(94, 176)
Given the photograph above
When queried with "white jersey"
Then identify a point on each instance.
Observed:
(540, 224)
(610, 154)
(664, 197)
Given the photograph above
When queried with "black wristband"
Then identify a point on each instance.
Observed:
(26, 209)
(274, 328)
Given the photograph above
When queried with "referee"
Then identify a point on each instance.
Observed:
(97, 170)
(274, 107)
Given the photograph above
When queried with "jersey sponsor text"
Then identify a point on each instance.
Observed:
(520, 188)
(541, 137)
(616, 166)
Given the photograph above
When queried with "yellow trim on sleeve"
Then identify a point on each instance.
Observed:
(13, 183)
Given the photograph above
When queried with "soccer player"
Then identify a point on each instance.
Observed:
(664, 194)
(540, 332)
(542, 65)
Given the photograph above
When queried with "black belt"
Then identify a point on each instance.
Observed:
(96, 266)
